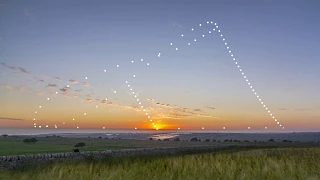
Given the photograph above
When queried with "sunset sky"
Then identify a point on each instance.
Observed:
(74, 47)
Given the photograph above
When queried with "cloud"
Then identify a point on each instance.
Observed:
(64, 90)
(57, 78)
(11, 119)
(78, 90)
(7, 86)
(5, 65)
(210, 107)
(41, 80)
(72, 81)
(52, 85)
(85, 84)
(89, 100)
(23, 70)
(301, 109)
(26, 12)
(177, 25)
(282, 109)
(197, 110)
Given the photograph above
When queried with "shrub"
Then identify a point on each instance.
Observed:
(150, 139)
(177, 139)
(271, 140)
(194, 139)
(5, 135)
(226, 140)
(32, 140)
(207, 140)
(76, 150)
(81, 144)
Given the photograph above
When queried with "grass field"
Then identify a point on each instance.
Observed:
(15, 145)
(237, 163)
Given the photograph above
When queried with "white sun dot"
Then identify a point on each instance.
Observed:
(117, 65)
(209, 32)
(105, 70)
(141, 59)
(192, 29)
(134, 75)
(139, 102)
(199, 24)
(224, 127)
(132, 61)
(181, 35)
(265, 127)
(126, 82)
(203, 35)
(34, 119)
(73, 119)
(148, 64)
(39, 106)
(36, 112)
(85, 114)
(221, 35)
(47, 126)
(268, 111)
(213, 29)
(195, 39)
(150, 120)
(86, 77)
(248, 83)
(229, 51)
(211, 22)
(176, 49)
(225, 43)
(103, 127)
(56, 92)
(272, 117)
(170, 44)
(202, 127)
(137, 99)
(189, 44)
(207, 22)
(218, 30)
(179, 128)
(96, 106)
(48, 99)
(217, 26)
(135, 128)
(278, 123)
(248, 127)
(77, 127)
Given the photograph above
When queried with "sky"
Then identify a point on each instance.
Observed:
(88, 64)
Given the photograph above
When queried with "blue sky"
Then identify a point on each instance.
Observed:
(276, 43)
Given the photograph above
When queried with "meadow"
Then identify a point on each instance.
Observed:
(234, 163)
(15, 146)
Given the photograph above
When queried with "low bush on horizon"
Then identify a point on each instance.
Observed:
(283, 163)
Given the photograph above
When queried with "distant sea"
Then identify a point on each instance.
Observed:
(34, 131)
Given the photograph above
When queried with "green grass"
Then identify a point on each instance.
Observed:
(236, 163)
(15, 146)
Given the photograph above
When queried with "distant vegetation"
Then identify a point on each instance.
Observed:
(81, 144)
(5, 135)
(30, 141)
